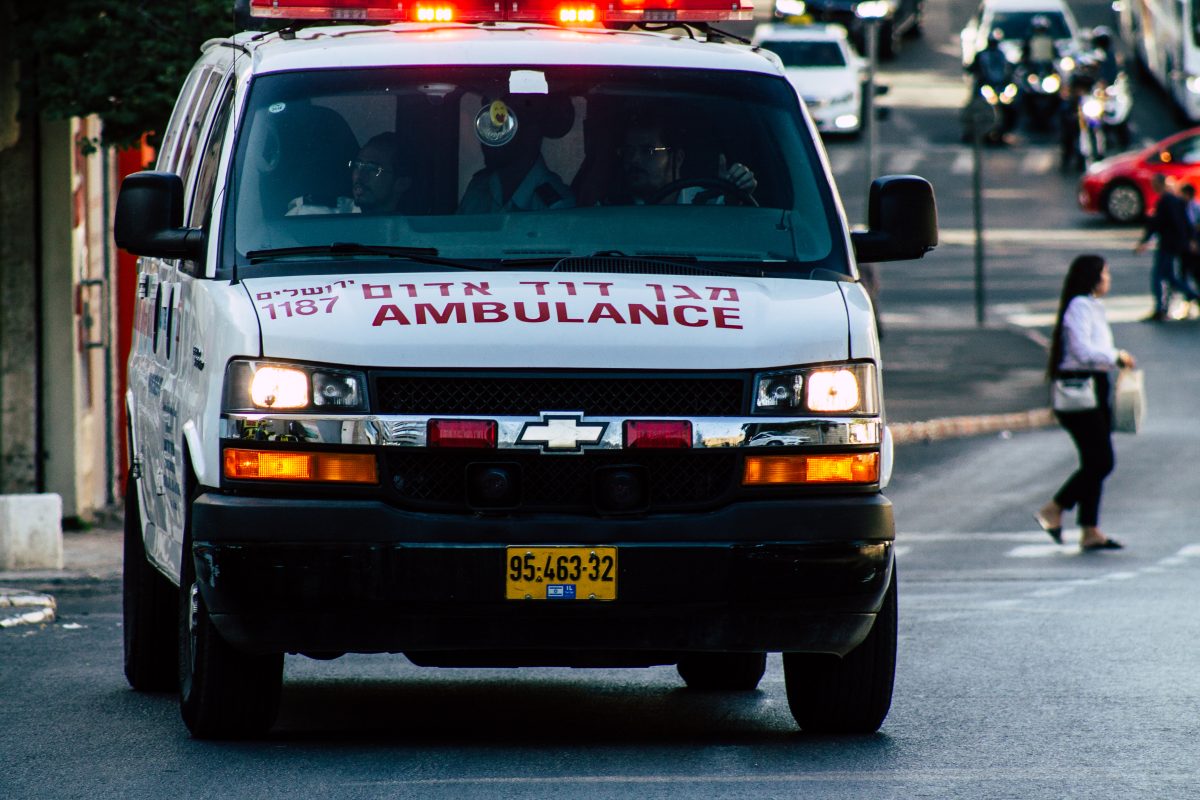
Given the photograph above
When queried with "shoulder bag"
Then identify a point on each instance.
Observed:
(1074, 393)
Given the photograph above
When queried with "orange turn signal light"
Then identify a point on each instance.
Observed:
(278, 465)
(825, 468)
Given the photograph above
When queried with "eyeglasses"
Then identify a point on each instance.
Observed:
(645, 151)
(369, 168)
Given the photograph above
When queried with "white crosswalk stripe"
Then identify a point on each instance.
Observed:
(960, 160)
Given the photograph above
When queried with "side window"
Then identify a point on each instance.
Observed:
(190, 137)
(168, 149)
(206, 177)
(1186, 151)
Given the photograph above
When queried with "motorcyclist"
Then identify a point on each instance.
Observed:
(992, 68)
(1107, 58)
(1070, 124)
(1039, 48)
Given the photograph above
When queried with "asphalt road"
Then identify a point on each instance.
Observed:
(1025, 670)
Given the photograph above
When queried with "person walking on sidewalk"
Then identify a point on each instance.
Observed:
(1082, 347)
(1169, 224)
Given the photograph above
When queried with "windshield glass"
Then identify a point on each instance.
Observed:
(499, 165)
(1018, 24)
(807, 54)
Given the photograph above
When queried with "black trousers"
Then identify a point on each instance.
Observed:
(1092, 433)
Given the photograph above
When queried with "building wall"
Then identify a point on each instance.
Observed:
(18, 290)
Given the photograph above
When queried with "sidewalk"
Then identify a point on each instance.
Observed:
(945, 381)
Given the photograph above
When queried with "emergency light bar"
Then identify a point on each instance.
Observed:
(548, 11)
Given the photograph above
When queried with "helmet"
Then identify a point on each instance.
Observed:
(1102, 37)
(1040, 23)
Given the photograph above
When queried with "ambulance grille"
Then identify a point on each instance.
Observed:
(615, 395)
(676, 480)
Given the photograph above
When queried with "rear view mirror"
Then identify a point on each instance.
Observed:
(901, 220)
(149, 218)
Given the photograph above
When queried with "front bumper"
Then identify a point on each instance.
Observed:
(362, 576)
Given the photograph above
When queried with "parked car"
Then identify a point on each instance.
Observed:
(1014, 19)
(826, 72)
(777, 439)
(902, 18)
(1119, 187)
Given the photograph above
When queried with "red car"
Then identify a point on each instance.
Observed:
(1119, 187)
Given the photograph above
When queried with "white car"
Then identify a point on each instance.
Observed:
(777, 439)
(825, 70)
(1014, 18)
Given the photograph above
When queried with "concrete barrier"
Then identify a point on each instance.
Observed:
(31, 531)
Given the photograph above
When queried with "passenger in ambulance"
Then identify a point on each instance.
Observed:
(650, 158)
(515, 176)
(379, 183)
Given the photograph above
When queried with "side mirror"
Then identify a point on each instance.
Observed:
(149, 218)
(901, 220)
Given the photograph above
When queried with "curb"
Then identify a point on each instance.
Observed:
(19, 607)
(957, 427)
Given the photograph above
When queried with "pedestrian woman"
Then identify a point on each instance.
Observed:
(1082, 347)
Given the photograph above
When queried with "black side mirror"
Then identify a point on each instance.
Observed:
(901, 220)
(149, 220)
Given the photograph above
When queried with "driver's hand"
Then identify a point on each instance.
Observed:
(737, 174)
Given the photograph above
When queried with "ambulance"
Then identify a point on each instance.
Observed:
(500, 335)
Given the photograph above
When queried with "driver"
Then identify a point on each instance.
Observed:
(650, 158)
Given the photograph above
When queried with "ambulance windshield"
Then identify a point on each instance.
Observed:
(499, 166)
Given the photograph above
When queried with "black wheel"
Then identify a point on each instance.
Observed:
(224, 693)
(1123, 202)
(149, 605)
(852, 694)
(723, 672)
(890, 44)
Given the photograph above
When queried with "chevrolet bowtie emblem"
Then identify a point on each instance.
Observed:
(562, 433)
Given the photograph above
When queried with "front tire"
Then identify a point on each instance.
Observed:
(1123, 202)
(149, 606)
(722, 672)
(852, 694)
(224, 693)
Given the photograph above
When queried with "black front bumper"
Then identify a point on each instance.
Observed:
(806, 574)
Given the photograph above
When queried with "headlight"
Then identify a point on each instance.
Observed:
(257, 386)
(1051, 84)
(790, 8)
(833, 389)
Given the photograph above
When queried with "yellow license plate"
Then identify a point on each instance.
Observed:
(561, 573)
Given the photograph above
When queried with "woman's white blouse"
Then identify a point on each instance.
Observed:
(1087, 339)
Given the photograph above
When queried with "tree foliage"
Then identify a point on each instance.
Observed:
(123, 60)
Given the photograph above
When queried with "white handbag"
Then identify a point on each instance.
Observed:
(1074, 394)
(1129, 401)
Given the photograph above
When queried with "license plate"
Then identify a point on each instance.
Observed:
(561, 573)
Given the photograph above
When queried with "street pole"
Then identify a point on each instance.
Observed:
(870, 13)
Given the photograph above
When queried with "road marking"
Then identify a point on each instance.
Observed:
(1037, 162)
(905, 162)
(963, 164)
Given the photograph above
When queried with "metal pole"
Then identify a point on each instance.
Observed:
(869, 108)
(977, 186)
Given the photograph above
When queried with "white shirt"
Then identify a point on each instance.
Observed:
(538, 190)
(1087, 339)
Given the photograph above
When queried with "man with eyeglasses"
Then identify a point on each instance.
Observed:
(377, 184)
(651, 158)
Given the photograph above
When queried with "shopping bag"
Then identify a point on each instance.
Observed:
(1129, 401)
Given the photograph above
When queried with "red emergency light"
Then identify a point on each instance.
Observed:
(568, 13)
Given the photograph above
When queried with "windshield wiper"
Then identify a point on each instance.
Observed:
(421, 255)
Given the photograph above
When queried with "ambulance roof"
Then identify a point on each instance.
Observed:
(517, 44)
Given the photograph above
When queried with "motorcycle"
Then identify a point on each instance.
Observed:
(1040, 84)
(993, 106)
(1083, 137)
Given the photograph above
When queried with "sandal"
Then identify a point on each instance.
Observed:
(1107, 544)
(1055, 533)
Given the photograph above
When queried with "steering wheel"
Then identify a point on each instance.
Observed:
(727, 188)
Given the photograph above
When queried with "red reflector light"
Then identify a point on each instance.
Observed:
(461, 433)
(658, 434)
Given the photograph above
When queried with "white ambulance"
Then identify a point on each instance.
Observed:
(458, 333)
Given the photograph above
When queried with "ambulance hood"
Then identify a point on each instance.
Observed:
(500, 320)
